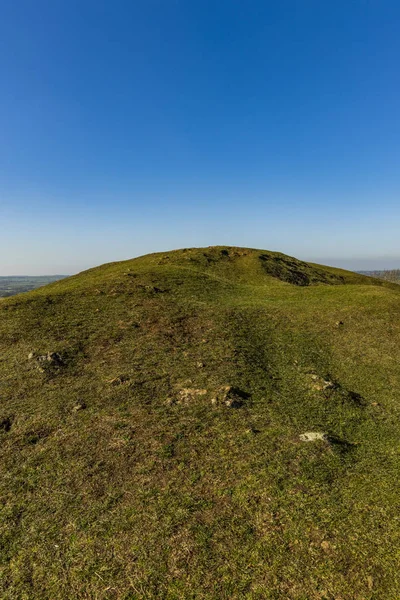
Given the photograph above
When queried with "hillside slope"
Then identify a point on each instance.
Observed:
(150, 421)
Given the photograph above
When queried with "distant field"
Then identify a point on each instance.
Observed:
(9, 286)
(392, 275)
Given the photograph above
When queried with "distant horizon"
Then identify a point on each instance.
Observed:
(350, 264)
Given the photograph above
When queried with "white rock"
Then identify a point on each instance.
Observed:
(313, 436)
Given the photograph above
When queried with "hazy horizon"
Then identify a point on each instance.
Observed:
(351, 264)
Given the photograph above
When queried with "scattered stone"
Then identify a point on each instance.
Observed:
(230, 396)
(313, 436)
(225, 395)
(44, 361)
(320, 384)
(79, 406)
(252, 431)
(54, 357)
(200, 365)
(339, 323)
(51, 357)
(188, 395)
(328, 385)
(325, 545)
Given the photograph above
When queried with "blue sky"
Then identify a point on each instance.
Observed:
(128, 127)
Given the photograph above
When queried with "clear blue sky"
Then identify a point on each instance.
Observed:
(135, 126)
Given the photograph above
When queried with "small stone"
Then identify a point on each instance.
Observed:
(51, 357)
(54, 357)
(30, 355)
(339, 323)
(200, 364)
(79, 406)
(234, 402)
(252, 431)
(325, 546)
(188, 395)
(319, 384)
(328, 385)
(313, 436)
(120, 380)
(230, 396)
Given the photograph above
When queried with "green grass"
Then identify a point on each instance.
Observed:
(140, 495)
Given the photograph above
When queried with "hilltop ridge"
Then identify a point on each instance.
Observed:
(233, 263)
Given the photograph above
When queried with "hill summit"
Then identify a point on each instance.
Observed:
(204, 423)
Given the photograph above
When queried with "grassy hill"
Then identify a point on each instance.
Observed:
(151, 414)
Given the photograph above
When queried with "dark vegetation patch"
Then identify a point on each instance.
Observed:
(5, 423)
(354, 397)
(296, 272)
(35, 435)
(340, 444)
